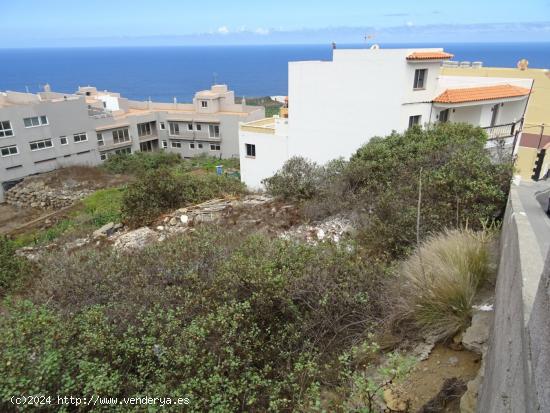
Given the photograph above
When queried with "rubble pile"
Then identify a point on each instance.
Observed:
(36, 194)
(331, 229)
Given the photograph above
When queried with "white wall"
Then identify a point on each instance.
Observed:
(271, 154)
(336, 107)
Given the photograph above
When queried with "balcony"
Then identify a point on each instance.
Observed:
(196, 136)
(501, 131)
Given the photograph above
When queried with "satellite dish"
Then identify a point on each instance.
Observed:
(375, 47)
(523, 64)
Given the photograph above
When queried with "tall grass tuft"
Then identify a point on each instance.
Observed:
(440, 281)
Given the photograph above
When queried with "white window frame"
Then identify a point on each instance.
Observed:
(63, 138)
(192, 146)
(173, 128)
(77, 137)
(4, 131)
(176, 144)
(204, 103)
(412, 122)
(416, 80)
(198, 126)
(39, 142)
(162, 126)
(190, 126)
(145, 129)
(9, 150)
(199, 145)
(216, 147)
(100, 140)
(39, 121)
(121, 135)
(164, 144)
(214, 130)
(103, 156)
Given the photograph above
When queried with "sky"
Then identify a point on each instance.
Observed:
(58, 23)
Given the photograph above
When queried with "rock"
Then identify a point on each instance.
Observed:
(104, 231)
(184, 219)
(468, 402)
(477, 335)
(453, 361)
(77, 243)
(160, 228)
(173, 221)
(392, 401)
(320, 234)
(136, 240)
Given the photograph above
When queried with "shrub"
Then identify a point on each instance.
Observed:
(160, 190)
(439, 281)
(12, 267)
(235, 322)
(103, 206)
(140, 162)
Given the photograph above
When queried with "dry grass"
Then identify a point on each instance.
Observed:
(439, 281)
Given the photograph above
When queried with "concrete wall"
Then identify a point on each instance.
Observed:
(517, 364)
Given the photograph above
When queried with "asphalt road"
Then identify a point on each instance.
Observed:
(534, 197)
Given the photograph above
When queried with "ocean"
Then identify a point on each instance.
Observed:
(162, 73)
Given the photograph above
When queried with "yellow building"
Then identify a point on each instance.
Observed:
(536, 128)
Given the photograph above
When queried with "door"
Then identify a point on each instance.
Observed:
(494, 115)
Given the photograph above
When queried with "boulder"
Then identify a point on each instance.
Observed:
(136, 240)
(104, 231)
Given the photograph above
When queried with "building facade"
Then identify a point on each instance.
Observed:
(45, 131)
(339, 105)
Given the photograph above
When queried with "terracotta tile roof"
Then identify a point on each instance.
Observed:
(473, 94)
(429, 56)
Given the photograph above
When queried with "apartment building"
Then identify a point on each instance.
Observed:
(48, 130)
(337, 106)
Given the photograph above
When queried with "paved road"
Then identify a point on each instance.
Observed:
(534, 197)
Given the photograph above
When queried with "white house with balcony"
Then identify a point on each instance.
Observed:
(339, 105)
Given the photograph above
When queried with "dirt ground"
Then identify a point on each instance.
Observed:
(87, 177)
(12, 217)
(428, 376)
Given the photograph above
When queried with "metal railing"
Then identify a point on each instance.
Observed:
(501, 131)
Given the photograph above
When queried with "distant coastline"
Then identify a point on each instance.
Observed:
(163, 73)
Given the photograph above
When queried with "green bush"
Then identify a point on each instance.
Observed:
(234, 322)
(440, 280)
(12, 268)
(104, 206)
(140, 162)
(157, 191)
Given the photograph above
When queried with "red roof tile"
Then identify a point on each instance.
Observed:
(473, 94)
(429, 56)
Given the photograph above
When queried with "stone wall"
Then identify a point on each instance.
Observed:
(36, 194)
(517, 363)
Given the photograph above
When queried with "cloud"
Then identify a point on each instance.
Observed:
(261, 31)
(409, 24)
(223, 30)
(396, 15)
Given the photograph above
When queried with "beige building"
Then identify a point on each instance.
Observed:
(536, 129)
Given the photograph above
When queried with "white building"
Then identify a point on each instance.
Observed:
(337, 106)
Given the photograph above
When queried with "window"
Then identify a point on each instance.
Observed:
(35, 121)
(100, 141)
(5, 129)
(250, 150)
(191, 146)
(214, 131)
(214, 147)
(164, 144)
(199, 145)
(103, 156)
(121, 135)
(176, 144)
(414, 120)
(204, 103)
(174, 128)
(199, 126)
(145, 129)
(39, 145)
(80, 137)
(162, 126)
(420, 78)
(9, 150)
(63, 140)
(444, 116)
(189, 126)
(124, 151)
